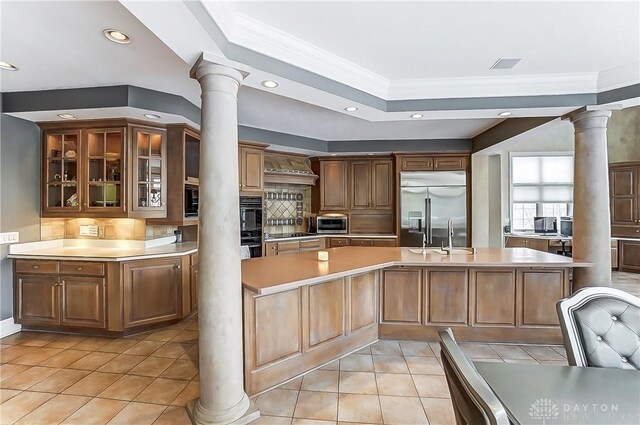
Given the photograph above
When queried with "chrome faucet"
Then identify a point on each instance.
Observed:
(449, 248)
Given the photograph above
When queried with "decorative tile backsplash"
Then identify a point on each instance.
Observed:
(108, 228)
(286, 208)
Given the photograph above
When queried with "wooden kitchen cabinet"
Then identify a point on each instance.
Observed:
(371, 184)
(103, 168)
(629, 256)
(401, 295)
(419, 162)
(292, 247)
(333, 185)
(614, 254)
(83, 301)
(37, 300)
(193, 281)
(624, 182)
(251, 167)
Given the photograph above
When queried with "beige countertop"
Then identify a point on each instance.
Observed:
(278, 273)
(89, 250)
(559, 237)
(334, 235)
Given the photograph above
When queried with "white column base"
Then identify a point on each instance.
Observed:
(199, 416)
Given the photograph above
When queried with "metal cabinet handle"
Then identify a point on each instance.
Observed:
(178, 266)
(79, 268)
(36, 267)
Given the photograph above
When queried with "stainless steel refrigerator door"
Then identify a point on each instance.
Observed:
(412, 215)
(448, 203)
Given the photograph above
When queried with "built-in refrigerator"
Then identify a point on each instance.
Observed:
(427, 201)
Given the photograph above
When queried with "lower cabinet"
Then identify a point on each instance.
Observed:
(152, 291)
(37, 300)
(193, 281)
(83, 301)
(402, 295)
(629, 256)
(292, 247)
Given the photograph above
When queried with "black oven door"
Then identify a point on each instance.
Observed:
(250, 219)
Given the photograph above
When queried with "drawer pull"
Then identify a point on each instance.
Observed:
(79, 268)
(178, 266)
(36, 267)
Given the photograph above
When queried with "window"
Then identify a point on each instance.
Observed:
(541, 185)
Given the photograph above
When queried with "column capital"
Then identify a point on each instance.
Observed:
(206, 65)
(584, 119)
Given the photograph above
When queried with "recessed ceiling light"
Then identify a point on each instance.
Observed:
(67, 117)
(505, 63)
(270, 84)
(153, 116)
(369, 153)
(504, 114)
(116, 36)
(416, 116)
(8, 66)
(350, 109)
(334, 154)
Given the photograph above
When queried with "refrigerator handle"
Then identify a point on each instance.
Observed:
(428, 218)
(419, 225)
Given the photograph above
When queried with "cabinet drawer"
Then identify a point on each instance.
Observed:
(361, 242)
(384, 242)
(36, 266)
(335, 242)
(288, 246)
(444, 163)
(82, 268)
(310, 244)
(417, 163)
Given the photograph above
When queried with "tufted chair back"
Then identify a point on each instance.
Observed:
(601, 328)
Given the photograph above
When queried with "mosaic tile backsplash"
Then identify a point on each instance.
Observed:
(286, 207)
(108, 228)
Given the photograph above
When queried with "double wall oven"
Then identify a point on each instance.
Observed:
(251, 224)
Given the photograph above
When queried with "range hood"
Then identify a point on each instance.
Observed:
(288, 169)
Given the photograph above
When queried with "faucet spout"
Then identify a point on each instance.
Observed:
(449, 248)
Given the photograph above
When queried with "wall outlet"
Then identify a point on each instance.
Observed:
(89, 230)
(9, 237)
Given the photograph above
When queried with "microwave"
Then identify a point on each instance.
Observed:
(545, 225)
(333, 223)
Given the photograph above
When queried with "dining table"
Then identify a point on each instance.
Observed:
(550, 394)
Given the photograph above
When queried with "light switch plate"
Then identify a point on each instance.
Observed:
(9, 237)
(89, 230)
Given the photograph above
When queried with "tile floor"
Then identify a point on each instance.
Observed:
(148, 378)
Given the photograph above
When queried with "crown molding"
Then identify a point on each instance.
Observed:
(621, 76)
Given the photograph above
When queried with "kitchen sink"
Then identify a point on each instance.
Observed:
(467, 251)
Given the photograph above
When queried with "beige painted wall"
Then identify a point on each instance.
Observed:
(623, 135)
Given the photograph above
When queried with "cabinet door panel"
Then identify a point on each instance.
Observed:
(494, 297)
(151, 291)
(338, 242)
(361, 242)
(382, 185)
(251, 169)
(417, 163)
(624, 197)
(447, 297)
(360, 185)
(363, 300)
(449, 163)
(402, 295)
(541, 290)
(37, 300)
(277, 326)
(333, 185)
(194, 287)
(326, 311)
(148, 172)
(384, 242)
(630, 256)
(83, 302)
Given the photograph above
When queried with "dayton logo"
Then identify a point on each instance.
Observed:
(543, 409)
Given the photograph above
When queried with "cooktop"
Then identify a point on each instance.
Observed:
(288, 235)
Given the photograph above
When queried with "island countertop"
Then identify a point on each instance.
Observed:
(278, 273)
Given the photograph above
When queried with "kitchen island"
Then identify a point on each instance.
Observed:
(300, 313)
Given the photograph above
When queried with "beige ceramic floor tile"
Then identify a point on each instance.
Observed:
(432, 386)
(173, 350)
(91, 344)
(8, 354)
(424, 366)
(521, 361)
(122, 364)
(435, 347)
(67, 341)
(365, 350)
(416, 349)
(138, 414)
(55, 410)
(334, 365)
(543, 353)
(37, 356)
(161, 391)
(395, 384)
(117, 346)
(181, 369)
(294, 384)
(98, 411)
(357, 363)
(298, 421)
(126, 388)
(560, 350)
(439, 411)
(173, 415)
(59, 381)
(274, 420)
(402, 411)
(28, 378)
(162, 335)
(93, 384)
(190, 392)
(5, 395)
(478, 351)
(510, 352)
(152, 366)
(359, 408)
(553, 362)
(64, 358)
(21, 405)
(144, 348)
(321, 380)
(316, 405)
(277, 402)
(385, 347)
(390, 364)
(8, 370)
(186, 336)
(358, 383)
(92, 361)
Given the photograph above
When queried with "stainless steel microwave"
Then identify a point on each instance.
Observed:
(332, 223)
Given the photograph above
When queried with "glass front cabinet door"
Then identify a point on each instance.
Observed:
(104, 185)
(149, 172)
(61, 173)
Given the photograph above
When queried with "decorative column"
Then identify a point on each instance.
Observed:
(591, 215)
(222, 397)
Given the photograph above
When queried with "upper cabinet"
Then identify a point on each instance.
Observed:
(421, 162)
(371, 184)
(251, 168)
(333, 185)
(624, 181)
(103, 169)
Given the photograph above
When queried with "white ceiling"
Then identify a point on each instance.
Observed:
(408, 48)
